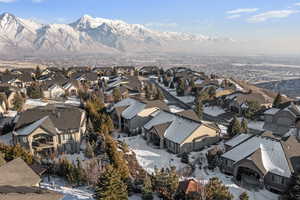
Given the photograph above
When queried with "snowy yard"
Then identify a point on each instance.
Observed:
(213, 110)
(60, 186)
(175, 109)
(149, 158)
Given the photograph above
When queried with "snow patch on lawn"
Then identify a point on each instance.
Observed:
(213, 110)
(59, 185)
(149, 157)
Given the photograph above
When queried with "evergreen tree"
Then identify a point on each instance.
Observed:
(148, 92)
(244, 196)
(253, 107)
(234, 127)
(38, 72)
(89, 151)
(147, 189)
(116, 157)
(166, 183)
(216, 190)
(192, 83)
(277, 101)
(159, 95)
(117, 95)
(172, 86)
(244, 126)
(180, 88)
(110, 186)
(2, 160)
(34, 91)
(199, 109)
(211, 92)
(293, 192)
(18, 102)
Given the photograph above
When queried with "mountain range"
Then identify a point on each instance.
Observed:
(93, 35)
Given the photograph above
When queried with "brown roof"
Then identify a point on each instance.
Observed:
(292, 151)
(28, 193)
(63, 117)
(161, 128)
(18, 173)
(257, 97)
(189, 114)
(257, 159)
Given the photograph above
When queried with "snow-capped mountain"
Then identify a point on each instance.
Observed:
(88, 34)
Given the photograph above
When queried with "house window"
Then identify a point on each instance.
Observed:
(277, 179)
(24, 139)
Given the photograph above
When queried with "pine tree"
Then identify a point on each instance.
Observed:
(294, 189)
(192, 83)
(2, 160)
(199, 109)
(277, 101)
(215, 189)
(234, 127)
(147, 189)
(18, 102)
(117, 95)
(172, 86)
(244, 196)
(110, 186)
(159, 95)
(38, 72)
(89, 151)
(148, 92)
(244, 126)
(180, 88)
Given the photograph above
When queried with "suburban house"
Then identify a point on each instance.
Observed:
(180, 132)
(49, 129)
(132, 114)
(52, 90)
(71, 88)
(262, 161)
(280, 120)
(238, 101)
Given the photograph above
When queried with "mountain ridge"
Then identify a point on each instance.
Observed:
(89, 34)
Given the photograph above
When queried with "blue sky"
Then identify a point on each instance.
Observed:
(241, 19)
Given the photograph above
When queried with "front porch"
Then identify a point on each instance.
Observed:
(249, 178)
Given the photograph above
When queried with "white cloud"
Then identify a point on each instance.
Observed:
(297, 4)
(233, 16)
(271, 15)
(161, 25)
(242, 10)
(7, 1)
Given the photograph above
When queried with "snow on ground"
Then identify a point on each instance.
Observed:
(256, 125)
(213, 110)
(149, 157)
(6, 139)
(59, 185)
(10, 114)
(233, 188)
(74, 157)
(175, 109)
(73, 101)
(34, 103)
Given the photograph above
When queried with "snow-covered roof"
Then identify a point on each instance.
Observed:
(134, 107)
(179, 129)
(238, 139)
(35, 102)
(272, 111)
(272, 154)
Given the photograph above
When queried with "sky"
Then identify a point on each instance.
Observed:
(269, 20)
